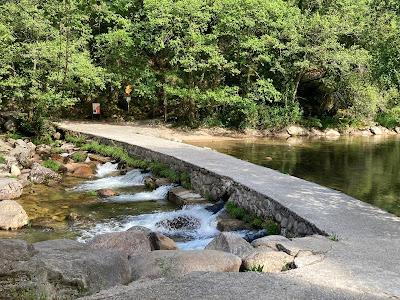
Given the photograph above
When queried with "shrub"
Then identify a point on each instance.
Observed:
(79, 156)
(389, 118)
(277, 116)
(52, 165)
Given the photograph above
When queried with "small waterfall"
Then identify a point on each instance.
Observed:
(158, 194)
(195, 237)
(106, 169)
(132, 178)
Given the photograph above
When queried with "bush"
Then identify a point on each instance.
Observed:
(389, 118)
(52, 165)
(79, 156)
(277, 116)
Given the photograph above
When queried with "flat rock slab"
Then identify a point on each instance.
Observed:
(229, 286)
(270, 241)
(129, 242)
(181, 196)
(170, 263)
(315, 244)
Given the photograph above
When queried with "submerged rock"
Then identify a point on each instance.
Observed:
(40, 174)
(10, 188)
(180, 223)
(172, 263)
(12, 215)
(106, 193)
(232, 243)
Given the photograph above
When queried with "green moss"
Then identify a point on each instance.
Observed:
(254, 221)
(75, 139)
(91, 193)
(14, 135)
(52, 165)
(56, 150)
(79, 156)
(2, 159)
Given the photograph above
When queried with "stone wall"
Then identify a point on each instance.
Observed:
(214, 186)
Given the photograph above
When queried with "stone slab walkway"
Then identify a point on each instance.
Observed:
(365, 260)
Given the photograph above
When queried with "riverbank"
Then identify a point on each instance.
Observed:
(159, 129)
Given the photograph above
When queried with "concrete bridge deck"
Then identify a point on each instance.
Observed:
(365, 260)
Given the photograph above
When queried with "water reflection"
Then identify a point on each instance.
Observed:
(366, 168)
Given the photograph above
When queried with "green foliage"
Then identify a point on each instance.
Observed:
(2, 159)
(75, 139)
(258, 268)
(79, 156)
(334, 237)
(56, 150)
(91, 193)
(256, 222)
(234, 63)
(389, 118)
(52, 165)
(14, 135)
(122, 155)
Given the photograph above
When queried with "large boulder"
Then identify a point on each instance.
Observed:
(58, 269)
(232, 243)
(269, 241)
(268, 261)
(83, 171)
(10, 188)
(12, 215)
(23, 152)
(171, 263)
(129, 242)
(40, 174)
(296, 131)
(10, 125)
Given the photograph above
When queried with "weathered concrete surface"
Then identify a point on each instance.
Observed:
(227, 286)
(365, 260)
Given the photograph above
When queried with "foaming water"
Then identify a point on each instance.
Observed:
(106, 169)
(193, 238)
(158, 194)
(131, 178)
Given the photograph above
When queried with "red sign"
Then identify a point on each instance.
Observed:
(96, 108)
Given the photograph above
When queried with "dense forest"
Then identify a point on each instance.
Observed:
(234, 63)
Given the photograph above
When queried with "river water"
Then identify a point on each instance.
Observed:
(367, 168)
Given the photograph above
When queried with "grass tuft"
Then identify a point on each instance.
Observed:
(254, 221)
(52, 165)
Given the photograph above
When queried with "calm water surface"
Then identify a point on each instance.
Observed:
(367, 168)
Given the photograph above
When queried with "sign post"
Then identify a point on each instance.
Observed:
(128, 91)
(96, 109)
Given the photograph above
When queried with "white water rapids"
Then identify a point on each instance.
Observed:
(131, 178)
(106, 169)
